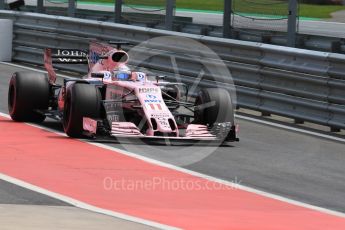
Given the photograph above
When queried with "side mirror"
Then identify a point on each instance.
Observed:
(160, 78)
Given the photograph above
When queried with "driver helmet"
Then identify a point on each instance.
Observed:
(122, 73)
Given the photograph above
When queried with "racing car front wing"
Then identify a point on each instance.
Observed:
(219, 133)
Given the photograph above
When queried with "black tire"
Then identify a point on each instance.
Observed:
(213, 105)
(28, 92)
(82, 100)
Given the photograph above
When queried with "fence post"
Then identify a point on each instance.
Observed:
(2, 4)
(227, 18)
(118, 11)
(292, 23)
(71, 8)
(40, 7)
(169, 14)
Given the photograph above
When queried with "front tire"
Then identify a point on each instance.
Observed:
(214, 108)
(82, 100)
(213, 105)
(28, 92)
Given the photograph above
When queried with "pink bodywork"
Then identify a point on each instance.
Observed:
(147, 92)
(150, 98)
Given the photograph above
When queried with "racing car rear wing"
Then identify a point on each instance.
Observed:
(68, 56)
(96, 52)
(62, 56)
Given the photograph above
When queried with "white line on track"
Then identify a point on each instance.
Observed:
(200, 175)
(82, 205)
(190, 172)
(326, 22)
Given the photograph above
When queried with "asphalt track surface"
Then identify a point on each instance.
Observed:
(12, 194)
(296, 166)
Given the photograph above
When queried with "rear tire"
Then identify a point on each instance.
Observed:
(218, 107)
(28, 92)
(82, 100)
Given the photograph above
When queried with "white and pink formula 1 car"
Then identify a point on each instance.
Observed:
(114, 101)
